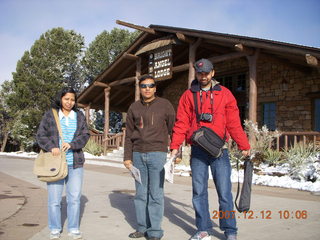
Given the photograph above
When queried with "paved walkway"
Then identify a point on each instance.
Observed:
(108, 211)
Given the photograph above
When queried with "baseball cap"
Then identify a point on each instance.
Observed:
(203, 65)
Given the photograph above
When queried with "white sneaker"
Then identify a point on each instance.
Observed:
(75, 235)
(54, 235)
(202, 235)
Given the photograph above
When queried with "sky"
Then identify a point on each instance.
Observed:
(23, 21)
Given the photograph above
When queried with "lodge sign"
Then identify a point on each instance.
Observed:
(160, 63)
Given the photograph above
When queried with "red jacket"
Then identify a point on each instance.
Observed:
(225, 112)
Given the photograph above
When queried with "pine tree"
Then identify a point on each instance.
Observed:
(53, 61)
(101, 53)
(6, 119)
(104, 49)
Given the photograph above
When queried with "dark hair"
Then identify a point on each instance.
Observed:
(144, 77)
(57, 101)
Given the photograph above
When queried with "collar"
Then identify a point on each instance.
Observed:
(148, 103)
(195, 86)
(72, 114)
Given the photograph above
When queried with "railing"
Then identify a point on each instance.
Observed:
(97, 138)
(291, 139)
(285, 141)
(113, 140)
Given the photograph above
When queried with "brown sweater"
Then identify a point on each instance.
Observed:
(148, 126)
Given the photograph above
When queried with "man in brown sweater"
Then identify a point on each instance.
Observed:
(149, 123)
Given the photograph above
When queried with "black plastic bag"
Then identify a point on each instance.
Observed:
(245, 196)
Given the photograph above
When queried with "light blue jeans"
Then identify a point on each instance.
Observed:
(73, 193)
(221, 173)
(149, 199)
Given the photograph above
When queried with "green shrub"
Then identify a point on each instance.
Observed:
(93, 148)
(299, 156)
(273, 157)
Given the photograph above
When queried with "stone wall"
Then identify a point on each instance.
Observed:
(175, 88)
(288, 86)
(278, 81)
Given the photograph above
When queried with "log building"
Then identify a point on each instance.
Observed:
(276, 84)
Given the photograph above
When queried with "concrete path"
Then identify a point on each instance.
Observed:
(108, 210)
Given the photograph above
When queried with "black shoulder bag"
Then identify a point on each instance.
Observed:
(206, 137)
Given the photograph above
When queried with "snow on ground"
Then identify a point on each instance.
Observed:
(266, 179)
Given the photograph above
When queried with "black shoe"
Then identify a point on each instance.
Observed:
(136, 235)
(153, 238)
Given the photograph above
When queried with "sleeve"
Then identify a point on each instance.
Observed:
(233, 123)
(81, 139)
(43, 136)
(183, 121)
(129, 130)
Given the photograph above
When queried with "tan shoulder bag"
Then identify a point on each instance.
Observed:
(49, 168)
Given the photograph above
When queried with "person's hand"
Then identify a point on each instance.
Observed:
(174, 152)
(245, 153)
(177, 160)
(55, 151)
(127, 164)
(65, 146)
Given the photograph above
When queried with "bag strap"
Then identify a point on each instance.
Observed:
(56, 118)
(195, 99)
(238, 188)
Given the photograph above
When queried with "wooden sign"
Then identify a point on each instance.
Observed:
(160, 63)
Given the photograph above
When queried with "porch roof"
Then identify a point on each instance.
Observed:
(120, 75)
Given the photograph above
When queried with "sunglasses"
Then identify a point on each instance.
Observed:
(151, 85)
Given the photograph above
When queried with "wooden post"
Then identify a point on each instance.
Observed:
(106, 117)
(192, 57)
(252, 60)
(138, 74)
(87, 113)
(123, 137)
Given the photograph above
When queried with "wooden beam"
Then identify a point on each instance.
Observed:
(80, 105)
(241, 48)
(122, 81)
(138, 74)
(192, 58)
(185, 38)
(106, 115)
(87, 114)
(100, 84)
(181, 68)
(253, 92)
(130, 56)
(140, 28)
(227, 56)
(311, 60)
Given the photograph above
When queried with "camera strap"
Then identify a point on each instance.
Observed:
(196, 103)
(197, 111)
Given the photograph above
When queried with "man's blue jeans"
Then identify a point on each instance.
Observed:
(221, 173)
(149, 199)
(73, 193)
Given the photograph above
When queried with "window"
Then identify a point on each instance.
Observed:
(235, 83)
(317, 114)
(241, 83)
(269, 115)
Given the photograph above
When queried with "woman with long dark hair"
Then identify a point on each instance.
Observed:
(75, 135)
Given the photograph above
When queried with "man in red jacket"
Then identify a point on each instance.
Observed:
(218, 111)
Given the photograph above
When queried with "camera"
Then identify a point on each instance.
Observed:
(206, 117)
